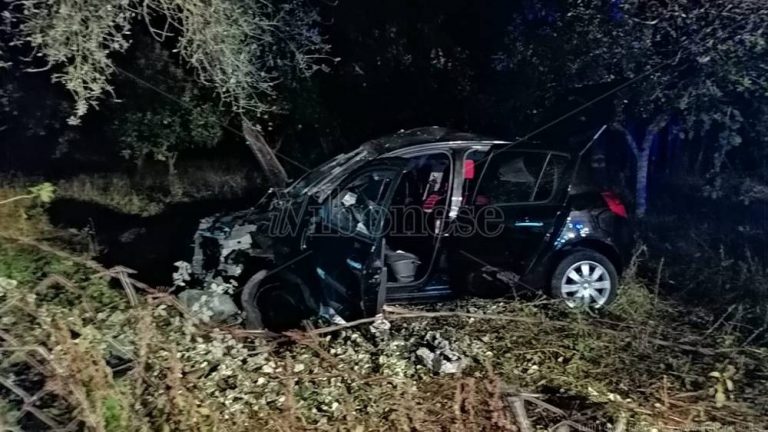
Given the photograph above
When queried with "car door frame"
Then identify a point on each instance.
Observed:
(370, 273)
(411, 290)
(558, 200)
(522, 225)
(457, 151)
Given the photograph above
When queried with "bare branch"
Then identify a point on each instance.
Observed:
(521, 416)
(631, 143)
(273, 170)
(20, 197)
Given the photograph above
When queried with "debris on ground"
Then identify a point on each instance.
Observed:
(6, 283)
(182, 274)
(380, 328)
(85, 357)
(438, 355)
(208, 306)
(330, 314)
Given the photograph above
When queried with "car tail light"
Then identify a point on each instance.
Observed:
(614, 204)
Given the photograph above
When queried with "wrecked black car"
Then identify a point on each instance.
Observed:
(422, 215)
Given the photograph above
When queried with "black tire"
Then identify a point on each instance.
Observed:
(253, 318)
(278, 303)
(586, 288)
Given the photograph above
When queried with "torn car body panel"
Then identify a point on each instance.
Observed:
(224, 244)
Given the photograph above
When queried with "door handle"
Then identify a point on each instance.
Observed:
(354, 264)
(529, 224)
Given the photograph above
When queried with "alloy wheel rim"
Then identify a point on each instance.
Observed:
(586, 283)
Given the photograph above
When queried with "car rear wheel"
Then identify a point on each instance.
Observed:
(585, 278)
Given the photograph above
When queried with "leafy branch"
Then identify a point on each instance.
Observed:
(43, 192)
(242, 50)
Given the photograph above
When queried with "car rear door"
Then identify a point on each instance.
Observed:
(347, 238)
(516, 205)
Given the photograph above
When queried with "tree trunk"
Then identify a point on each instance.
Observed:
(641, 184)
(171, 161)
(273, 170)
(173, 181)
(140, 164)
(642, 160)
(138, 174)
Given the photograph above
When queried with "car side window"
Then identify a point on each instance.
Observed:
(519, 177)
(357, 207)
(425, 182)
(550, 178)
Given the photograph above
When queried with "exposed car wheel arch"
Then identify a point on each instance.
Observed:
(599, 246)
(276, 301)
(253, 319)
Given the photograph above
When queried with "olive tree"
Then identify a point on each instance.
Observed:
(6, 91)
(147, 126)
(242, 49)
(700, 62)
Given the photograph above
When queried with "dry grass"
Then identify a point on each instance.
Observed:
(101, 364)
(116, 367)
(150, 192)
(24, 216)
(114, 191)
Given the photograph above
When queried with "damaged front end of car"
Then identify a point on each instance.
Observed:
(231, 249)
(225, 245)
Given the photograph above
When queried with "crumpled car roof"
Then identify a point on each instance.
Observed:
(323, 178)
(569, 139)
(419, 136)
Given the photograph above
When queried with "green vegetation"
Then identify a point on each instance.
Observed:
(146, 127)
(694, 69)
(20, 209)
(148, 193)
(114, 367)
(239, 48)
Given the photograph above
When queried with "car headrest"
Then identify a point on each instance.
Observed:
(469, 169)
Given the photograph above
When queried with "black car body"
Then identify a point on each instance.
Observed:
(423, 215)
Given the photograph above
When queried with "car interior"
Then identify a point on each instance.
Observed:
(356, 208)
(416, 213)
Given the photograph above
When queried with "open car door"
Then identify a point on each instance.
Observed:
(517, 202)
(347, 239)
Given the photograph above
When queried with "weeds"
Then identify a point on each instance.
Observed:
(8, 417)
(113, 191)
(149, 193)
(636, 301)
(713, 267)
(83, 379)
(148, 367)
(21, 210)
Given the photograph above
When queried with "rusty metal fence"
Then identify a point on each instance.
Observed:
(25, 396)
